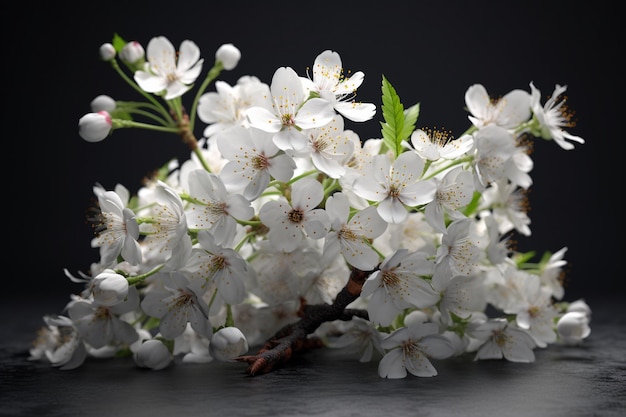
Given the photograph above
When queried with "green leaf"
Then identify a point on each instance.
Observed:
(118, 43)
(398, 124)
(410, 117)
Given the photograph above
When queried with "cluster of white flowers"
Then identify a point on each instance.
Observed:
(278, 202)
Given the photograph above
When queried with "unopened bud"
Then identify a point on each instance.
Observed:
(133, 54)
(109, 288)
(103, 102)
(573, 327)
(95, 127)
(107, 52)
(228, 343)
(152, 354)
(229, 55)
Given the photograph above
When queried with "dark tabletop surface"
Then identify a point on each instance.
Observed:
(587, 380)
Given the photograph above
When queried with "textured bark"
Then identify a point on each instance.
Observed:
(294, 337)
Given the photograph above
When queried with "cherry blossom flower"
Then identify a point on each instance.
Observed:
(433, 145)
(459, 253)
(226, 107)
(360, 162)
(553, 117)
(502, 339)
(282, 275)
(327, 283)
(291, 111)
(395, 186)
(533, 310)
(460, 295)
(100, 324)
(193, 347)
(59, 343)
(168, 72)
(291, 223)
(507, 112)
(176, 304)
(454, 191)
(414, 234)
(214, 209)
(498, 156)
(168, 229)
(509, 206)
(410, 350)
(505, 285)
(330, 146)
(253, 160)
(212, 263)
(360, 336)
(497, 250)
(349, 236)
(399, 284)
(331, 83)
(118, 230)
(551, 271)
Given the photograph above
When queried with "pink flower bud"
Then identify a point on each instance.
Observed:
(95, 127)
(133, 53)
(229, 55)
(107, 52)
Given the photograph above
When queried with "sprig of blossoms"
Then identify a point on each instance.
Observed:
(279, 202)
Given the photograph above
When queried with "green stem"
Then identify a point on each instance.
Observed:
(470, 130)
(204, 163)
(149, 97)
(140, 278)
(304, 174)
(148, 115)
(245, 239)
(212, 74)
(459, 161)
(230, 322)
(121, 123)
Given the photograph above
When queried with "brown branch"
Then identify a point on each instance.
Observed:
(186, 134)
(293, 337)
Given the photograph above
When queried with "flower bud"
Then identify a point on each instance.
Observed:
(152, 354)
(133, 54)
(580, 306)
(416, 316)
(229, 55)
(573, 327)
(107, 52)
(103, 102)
(228, 343)
(95, 127)
(109, 288)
